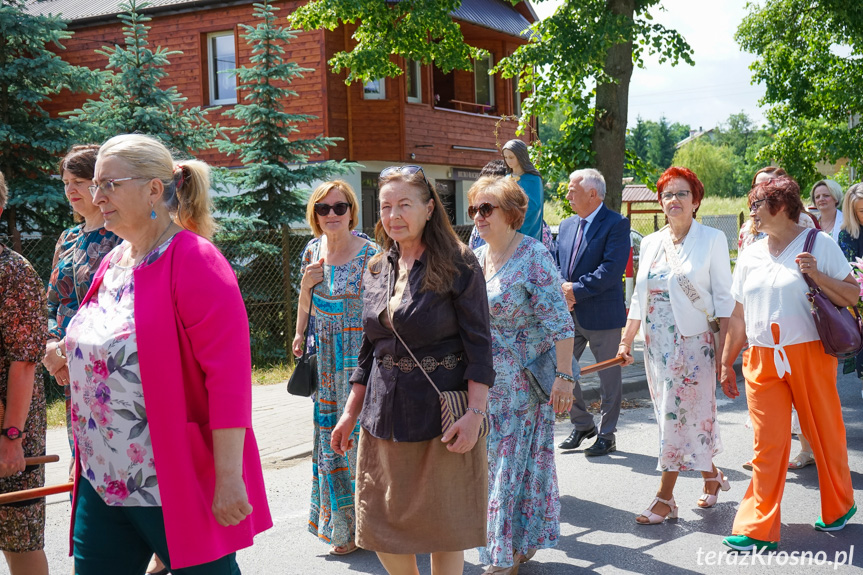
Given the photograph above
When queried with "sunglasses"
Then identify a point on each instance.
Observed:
(409, 170)
(340, 208)
(485, 209)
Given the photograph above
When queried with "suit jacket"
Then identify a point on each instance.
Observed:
(597, 278)
(704, 260)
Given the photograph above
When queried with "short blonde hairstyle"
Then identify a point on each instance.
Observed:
(849, 218)
(320, 193)
(833, 187)
(511, 199)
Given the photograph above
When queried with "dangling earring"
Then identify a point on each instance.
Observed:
(152, 212)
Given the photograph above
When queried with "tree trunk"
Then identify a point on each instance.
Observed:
(612, 103)
(14, 232)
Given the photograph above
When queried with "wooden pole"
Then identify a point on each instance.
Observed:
(288, 309)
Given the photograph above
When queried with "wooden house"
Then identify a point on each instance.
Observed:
(446, 123)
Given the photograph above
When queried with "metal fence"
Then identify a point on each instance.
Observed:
(267, 264)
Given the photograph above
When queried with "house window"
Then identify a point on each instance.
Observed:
(516, 97)
(375, 90)
(484, 82)
(414, 81)
(221, 57)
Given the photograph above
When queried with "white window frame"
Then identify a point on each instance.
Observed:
(213, 72)
(489, 79)
(516, 97)
(415, 66)
(381, 94)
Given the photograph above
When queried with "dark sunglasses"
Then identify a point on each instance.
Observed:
(339, 208)
(484, 209)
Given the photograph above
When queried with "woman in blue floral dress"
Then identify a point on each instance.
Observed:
(333, 267)
(528, 318)
(77, 256)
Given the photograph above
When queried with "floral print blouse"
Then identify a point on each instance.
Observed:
(76, 259)
(109, 416)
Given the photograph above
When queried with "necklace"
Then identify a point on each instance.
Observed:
(132, 264)
(675, 240)
(495, 262)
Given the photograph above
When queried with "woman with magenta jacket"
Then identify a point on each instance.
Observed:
(160, 370)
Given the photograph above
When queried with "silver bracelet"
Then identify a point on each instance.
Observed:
(477, 411)
(564, 376)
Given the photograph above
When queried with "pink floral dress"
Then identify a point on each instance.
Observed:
(681, 376)
(109, 416)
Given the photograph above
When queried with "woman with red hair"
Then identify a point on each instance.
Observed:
(682, 298)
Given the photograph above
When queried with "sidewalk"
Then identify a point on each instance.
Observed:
(284, 428)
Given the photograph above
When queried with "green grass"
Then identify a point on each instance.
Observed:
(57, 412)
(271, 374)
(713, 206)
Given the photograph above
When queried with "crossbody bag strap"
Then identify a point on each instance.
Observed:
(807, 247)
(687, 286)
(393, 328)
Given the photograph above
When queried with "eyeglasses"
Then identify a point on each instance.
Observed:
(484, 209)
(753, 207)
(409, 170)
(668, 196)
(107, 186)
(340, 208)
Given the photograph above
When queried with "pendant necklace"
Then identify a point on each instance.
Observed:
(497, 263)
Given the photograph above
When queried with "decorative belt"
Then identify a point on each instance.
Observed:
(428, 363)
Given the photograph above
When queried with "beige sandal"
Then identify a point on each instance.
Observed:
(655, 518)
(803, 459)
(708, 500)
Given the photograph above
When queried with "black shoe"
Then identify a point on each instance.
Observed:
(601, 447)
(576, 437)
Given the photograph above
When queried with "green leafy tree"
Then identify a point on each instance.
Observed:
(30, 139)
(808, 58)
(746, 140)
(274, 182)
(712, 164)
(638, 139)
(132, 100)
(579, 60)
(661, 148)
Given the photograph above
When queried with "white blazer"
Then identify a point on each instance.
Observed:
(704, 260)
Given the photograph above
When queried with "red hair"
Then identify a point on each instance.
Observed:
(695, 184)
(780, 192)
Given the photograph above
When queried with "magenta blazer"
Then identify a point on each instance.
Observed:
(196, 373)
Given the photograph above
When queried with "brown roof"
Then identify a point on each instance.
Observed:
(638, 193)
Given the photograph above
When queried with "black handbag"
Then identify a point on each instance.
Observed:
(840, 328)
(304, 379)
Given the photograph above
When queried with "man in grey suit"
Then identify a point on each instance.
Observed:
(593, 248)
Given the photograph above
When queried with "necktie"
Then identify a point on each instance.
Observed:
(579, 236)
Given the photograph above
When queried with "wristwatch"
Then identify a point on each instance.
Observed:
(13, 432)
(59, 351)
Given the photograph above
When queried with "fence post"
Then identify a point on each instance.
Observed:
(289, 299)
(655, 223)
(740, 220)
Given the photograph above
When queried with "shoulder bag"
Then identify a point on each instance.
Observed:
(304, 379)
(453, 404)
(840, 328)
(687, 286)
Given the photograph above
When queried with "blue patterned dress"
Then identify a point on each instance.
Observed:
(528, 314)
(338, 306)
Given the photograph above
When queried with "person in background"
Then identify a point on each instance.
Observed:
(497, 168)
(23, 332)
(827, 197)
(529, 317)
(333, 267)
(786, 364)
(679, 357)
(77, 256)
(419, 490)
(161, 400)
(593, 249)
(851, 243)
(521, 169)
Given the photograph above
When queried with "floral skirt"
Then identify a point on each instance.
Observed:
(681, 376)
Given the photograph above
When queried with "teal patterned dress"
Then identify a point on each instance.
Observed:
(338, 306)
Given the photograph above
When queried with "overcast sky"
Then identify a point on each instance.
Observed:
(702, 95)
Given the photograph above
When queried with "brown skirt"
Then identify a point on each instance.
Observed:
(417, 497)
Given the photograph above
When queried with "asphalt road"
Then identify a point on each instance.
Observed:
(600, 498)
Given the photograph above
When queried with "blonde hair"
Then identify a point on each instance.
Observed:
(511, 199)
(320, 193)
(187, 183)
(849, 220)
(833, 188)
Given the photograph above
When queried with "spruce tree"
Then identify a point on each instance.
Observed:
(30, 139)
(132, 100)
(276, 175)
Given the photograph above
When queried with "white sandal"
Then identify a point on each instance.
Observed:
(710, 499)
(654, 518)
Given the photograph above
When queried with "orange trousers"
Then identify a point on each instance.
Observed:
(811, 387)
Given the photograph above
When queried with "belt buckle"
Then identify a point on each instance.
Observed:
(450, 361)
(429, 364)
(406, 364)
